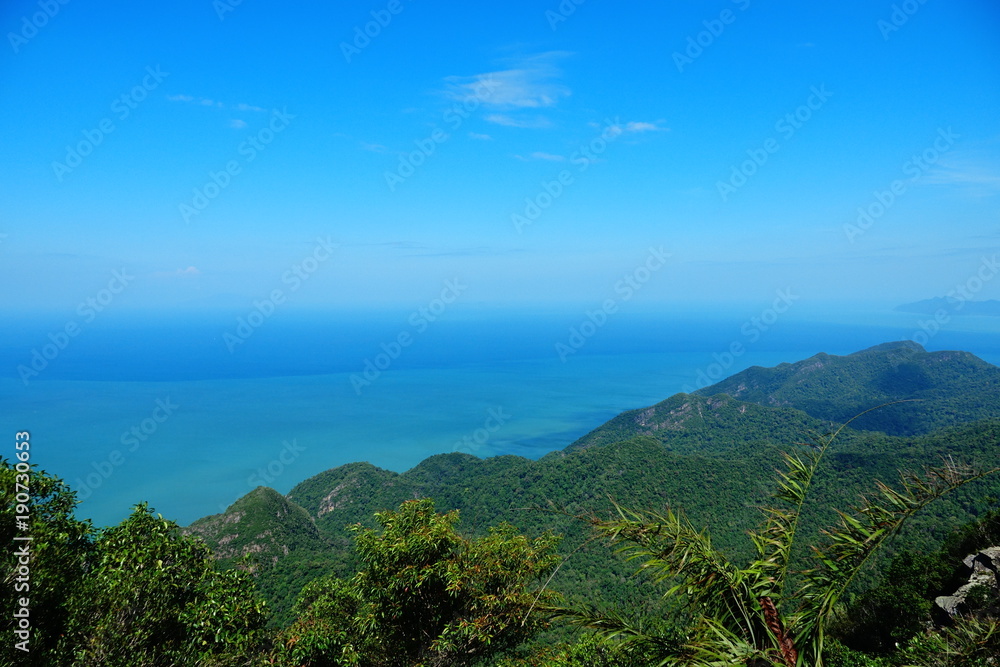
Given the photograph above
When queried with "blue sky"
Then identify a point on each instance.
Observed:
(838, 97)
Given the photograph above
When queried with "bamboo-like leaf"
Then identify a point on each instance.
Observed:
(858, 535)
(775, 539)
(738, 616)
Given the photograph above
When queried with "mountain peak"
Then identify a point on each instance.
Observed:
(894, 345)
(248, 526)
(961, 387)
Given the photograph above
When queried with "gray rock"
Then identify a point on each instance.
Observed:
(984, 567)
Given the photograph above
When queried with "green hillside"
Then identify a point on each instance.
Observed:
(277, 536)
(712, 455)
(718, 491)
(952, 387)
(710, 425)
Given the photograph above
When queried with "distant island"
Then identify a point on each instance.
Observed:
(952, 306)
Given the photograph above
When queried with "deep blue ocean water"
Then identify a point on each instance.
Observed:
(157, 408)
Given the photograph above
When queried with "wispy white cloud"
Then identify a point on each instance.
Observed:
(510, 121)
(539, 155)
(372, 148)
(632, 127)
(481, 137)
(636, 126)
(206, 102)
(978, 174)
(237, 124)
(530, 82)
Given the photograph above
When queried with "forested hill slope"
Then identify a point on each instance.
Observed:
(952, 388)
(712, 454)
(720, 491)
(689, 424)
(278, 537)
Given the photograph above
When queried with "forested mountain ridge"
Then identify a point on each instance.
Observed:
(278, 538)
(951, 387)
(251, 517)
(712, 455)
(710, 425)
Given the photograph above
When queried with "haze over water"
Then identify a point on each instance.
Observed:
(171, 419)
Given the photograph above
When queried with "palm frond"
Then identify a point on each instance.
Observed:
(714, 645)
(775, 539)
(671, 549)
(859, 534)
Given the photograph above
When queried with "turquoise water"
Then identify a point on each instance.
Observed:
(200, 444)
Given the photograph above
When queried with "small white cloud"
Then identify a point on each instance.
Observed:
(205, 102)
(971, 170)
(539, 155)
(189, 271)
(482, 137)
(508, 121)
(529, 84)
(637, 126)
(237, 124)
(372, 148)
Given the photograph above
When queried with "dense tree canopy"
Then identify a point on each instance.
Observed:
(139, 593)
(425, 595)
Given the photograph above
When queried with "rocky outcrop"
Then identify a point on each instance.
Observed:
(981, 595)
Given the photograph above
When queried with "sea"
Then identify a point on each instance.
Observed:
(191, 411)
